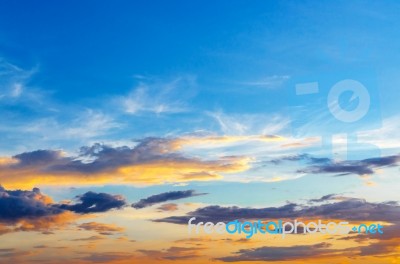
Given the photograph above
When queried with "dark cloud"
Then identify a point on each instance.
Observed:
(16, 205)
(14, 255)
(163, 197)
(341, 168)
(6, 250)
(280, 253)
(351, 209)
(38, 158)
(99, 157)
(324, 198)
(92, 202)
(92, 159)
(301, 157)
(382, 247)
(173, 253)
(22, 206)
(107, 257)
(359, 167)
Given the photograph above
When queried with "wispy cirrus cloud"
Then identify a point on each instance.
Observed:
(13, 80)
(87, 124)
(159, 97)
(250, 124)
(269, 82)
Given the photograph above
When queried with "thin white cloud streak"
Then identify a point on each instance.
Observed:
(159, 97)
(80, 128)
(251, 124)
(386, 138)
(13, 80)
(89, 124)
(270, 82)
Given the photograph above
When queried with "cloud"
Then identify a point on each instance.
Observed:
(340, 168)
(13, 80)
(269, 82)
(245, 124)
(158, 97)
(212, 140)
(151, 161)
(84, 124)
(16, 254)
(168, 207)
(301, 157)
(280, 253)
(92, 238)
(359, 167)
(89, 124)
(324, 198)
(387, 137)
(17, 205)
(351, 209)
(107, 257)
(163, 197)
(22, 210)
(92, 202)
(173, 253)
(37, 158)
(103, 229)
(380, 248)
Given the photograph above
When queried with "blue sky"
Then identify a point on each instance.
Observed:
(119, 73)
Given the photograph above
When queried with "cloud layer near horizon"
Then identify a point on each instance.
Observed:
(333, 207)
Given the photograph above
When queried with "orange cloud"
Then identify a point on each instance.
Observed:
(103, 229)
(152, 161)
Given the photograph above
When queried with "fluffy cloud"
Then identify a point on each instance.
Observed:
(151, 161)
(18, 204)
(22, 210)
(92, 202)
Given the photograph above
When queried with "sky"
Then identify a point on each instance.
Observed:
(120, 121)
